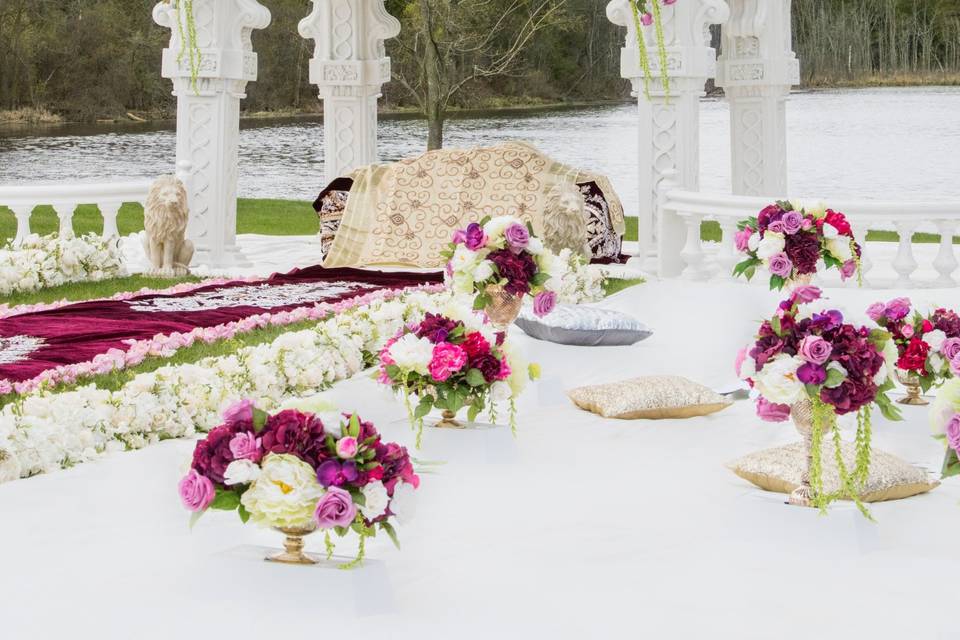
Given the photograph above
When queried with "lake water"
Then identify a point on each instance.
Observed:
(897, 143)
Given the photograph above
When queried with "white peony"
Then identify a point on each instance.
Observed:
(535, 246)
(403, 504)
(411, 353)
(483, 271)
(772, 244)
(285, 494)
(839, 247)
(778, 382)
(241, 472)
(753, 243)
(9, 467)
(376, 500)
(935, 339)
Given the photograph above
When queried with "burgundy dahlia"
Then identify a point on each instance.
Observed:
(212, 455)
(436, 328)
(488, 365)
(517, 269)
(296, 433)
(947, 321)
(803, 249)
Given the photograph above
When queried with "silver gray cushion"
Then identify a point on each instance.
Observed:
(584, 326)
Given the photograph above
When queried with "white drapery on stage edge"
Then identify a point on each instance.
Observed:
(581, 528)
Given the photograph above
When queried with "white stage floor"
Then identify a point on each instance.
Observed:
(581, 528)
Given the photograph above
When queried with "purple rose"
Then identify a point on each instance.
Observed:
(810, 373)
(474, 237)
(459, 236)
(807, 293)
(333, 474)
(847, 269)
(196, 491)
(815, 349)
(544, 303)
(792, 222)
(953, 432)
(246, 446)
(517, 236)
(950, 348)
(780, 265)
(772, 412)
(335, 509)
(955, 366)
(897, 309)
(876, 311)
(240, 412)
(776, 226)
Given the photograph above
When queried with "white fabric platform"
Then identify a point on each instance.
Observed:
(582, 528)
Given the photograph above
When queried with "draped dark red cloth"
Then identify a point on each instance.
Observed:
(78, 332)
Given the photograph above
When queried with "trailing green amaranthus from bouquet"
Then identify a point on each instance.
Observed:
(838, 368)
(504, 253)
(647, 13)
(945, 420)
(927, 345)
(304, 468)
(790, 241)
(452, 361)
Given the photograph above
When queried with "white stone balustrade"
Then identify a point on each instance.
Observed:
(904, 264)
(65, 198)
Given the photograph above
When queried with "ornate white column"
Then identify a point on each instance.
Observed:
(208, 116)
(669, 124)
(349, 67)
(757, 68)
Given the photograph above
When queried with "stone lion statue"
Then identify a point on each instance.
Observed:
(564, 221)
(165, 224)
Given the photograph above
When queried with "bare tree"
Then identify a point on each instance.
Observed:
(457, 42)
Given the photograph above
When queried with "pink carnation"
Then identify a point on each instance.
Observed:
(447, 360)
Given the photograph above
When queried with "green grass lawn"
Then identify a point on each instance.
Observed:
(270, 217)
(93, 290)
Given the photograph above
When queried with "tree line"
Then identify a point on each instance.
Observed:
(86, 59)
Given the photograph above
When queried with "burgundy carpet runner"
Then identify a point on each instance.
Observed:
(35, 342)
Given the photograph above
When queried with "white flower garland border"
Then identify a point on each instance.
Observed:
(38, 262)
(43, 431)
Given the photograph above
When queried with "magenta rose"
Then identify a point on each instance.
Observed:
(792, 222)
(196, 491)
(772, 412)
(815, 349)
(897, 309)
(544, 303)
(876, 311)
(474, 237)
(447, 360)
(953, 432)
(950, 348)
(335, 509)
(742, 239)
(780, 265)
(517, 236)
(246, 446)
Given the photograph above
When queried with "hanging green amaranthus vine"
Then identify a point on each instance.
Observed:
(187, 29)
(851, 483)
(642, 18)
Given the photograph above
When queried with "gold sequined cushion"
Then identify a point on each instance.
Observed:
(649, 397)
(779, 470)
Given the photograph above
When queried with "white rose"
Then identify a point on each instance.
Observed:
(778, 381)
(404, 502)
(241, 472)
(535, 246)
(500, 391)
(937, 362)
(376, 500)
(483, 271)
(882, 375)
(839, 247)
(890, 355)
(772, 244)
(411, 353)
(829, 231)
(935, 339)
(754, 242)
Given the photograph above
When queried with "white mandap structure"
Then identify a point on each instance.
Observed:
(756, 69)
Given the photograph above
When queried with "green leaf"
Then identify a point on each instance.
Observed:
(888, 409)
(393, 371)
(386, 526)
(225, 500)
(480, 302)
(777, 283)
(475, 378)
(473, 412)
(244, 514)
(259, 420)
(358, 498)
(776, 325)
(540, 279)
(353, 429)
(424, 408)
(951, 464)
(834, 379)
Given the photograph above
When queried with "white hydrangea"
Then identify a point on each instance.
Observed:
(49, 261)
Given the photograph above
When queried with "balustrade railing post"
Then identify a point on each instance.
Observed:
(109, 211)
(692, 253)
(727, 256)
(946, 260)
(905, 263)
(65, 212)
(22, 214)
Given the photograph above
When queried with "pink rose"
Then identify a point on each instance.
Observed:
(335, 509)
(780, 265)
(876, 310)
(807, 293)
(897, 309)
(815, 349)
(447, 360)
(646, 19)
(347, 447)
(907, 330)
(239, 412)
(772, 412)
(544, 303)
(953, 432)
(742, 239)
(792, 222)
(246, 446)
(848, 269)
(196, 491)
